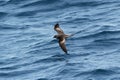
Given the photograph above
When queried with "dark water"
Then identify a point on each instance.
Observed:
(29, 52)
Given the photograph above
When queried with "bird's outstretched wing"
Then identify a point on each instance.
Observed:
(58, 29)
(62, 44)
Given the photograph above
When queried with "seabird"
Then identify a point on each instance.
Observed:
(61, 36)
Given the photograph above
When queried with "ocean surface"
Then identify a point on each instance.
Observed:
(28, 50)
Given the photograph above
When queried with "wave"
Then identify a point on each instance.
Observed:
(2, 2)
(13, 27)
(3, 14)
(98, 36)
(39, 3)
(101, 34)
(77, 20)
(66, 4)
(16, 73)
(97, 72)
(50, 60)
(27, 13)
(115, 78)
(14, 2)
(108, 40)
(42, 79)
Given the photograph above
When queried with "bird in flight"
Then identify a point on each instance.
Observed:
(61, 36)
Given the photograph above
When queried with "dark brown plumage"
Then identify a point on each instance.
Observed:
(61, 37)
(62, 43)
(58, 29)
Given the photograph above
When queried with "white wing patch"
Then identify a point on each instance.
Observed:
(58, 29)
(63, 41)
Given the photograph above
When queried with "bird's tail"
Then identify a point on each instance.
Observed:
(67, 36)
(70, 35)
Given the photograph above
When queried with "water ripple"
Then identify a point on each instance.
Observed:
(29, 52)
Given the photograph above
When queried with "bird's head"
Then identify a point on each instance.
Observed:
(55, 36)
(56, 25)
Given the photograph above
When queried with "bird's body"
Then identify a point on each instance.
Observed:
(61, 37)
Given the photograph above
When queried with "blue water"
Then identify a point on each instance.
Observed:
(28, 50)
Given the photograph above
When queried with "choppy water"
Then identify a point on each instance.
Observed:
(29, 52)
